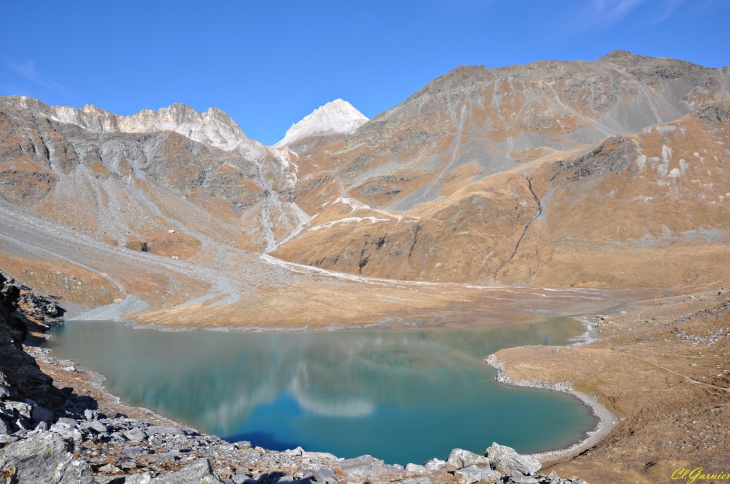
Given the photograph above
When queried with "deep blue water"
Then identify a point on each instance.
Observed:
(402, 396)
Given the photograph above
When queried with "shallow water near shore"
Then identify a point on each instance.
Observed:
(401, 396)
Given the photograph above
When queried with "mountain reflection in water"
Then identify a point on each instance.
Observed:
(403, 396)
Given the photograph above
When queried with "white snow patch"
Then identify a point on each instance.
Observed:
(336, 117)
(349, 220)
(357, 205)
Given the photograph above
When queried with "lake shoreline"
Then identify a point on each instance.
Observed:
(604, 426)
(573, 334)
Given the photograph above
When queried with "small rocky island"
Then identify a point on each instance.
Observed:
(79, 434)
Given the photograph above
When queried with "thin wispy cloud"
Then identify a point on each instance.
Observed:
(667, 10)
(603, 13)
(28, 71)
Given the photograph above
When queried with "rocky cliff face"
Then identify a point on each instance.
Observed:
(20, 377)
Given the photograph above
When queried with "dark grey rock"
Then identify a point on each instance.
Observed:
(67, 431)
(7, 414)
(133, 450)
(324, 474)
(135, 435)
(110, 480)
(460, 458)
(416, 469)
(19, 408)
(155, 429)
(109, 469)
(471, 474)
(4, 427)
(507, 461)
(242, 479)
(365, 465)
(522, 480)
(435, 465)
(140, 478)
(165, 457)
(199, 472)
(44, 458)
(94, 426)
(612, 155)
(22, 424)
(20, 375)
(715, 113)
(40, 414)
(117, 436)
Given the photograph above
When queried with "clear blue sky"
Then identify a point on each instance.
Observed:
(270, 63)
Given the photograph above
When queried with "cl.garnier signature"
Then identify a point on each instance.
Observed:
(698, 474)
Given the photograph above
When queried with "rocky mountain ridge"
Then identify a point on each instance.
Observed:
(56, 157)
(494, 120)
(213, 127)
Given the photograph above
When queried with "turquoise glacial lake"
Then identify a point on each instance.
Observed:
(401, 396)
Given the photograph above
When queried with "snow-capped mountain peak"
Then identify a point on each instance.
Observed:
(336, 117)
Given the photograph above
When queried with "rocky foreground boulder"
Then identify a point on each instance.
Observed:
(44, 457)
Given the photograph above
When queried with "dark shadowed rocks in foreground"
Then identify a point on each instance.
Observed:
(20, 376)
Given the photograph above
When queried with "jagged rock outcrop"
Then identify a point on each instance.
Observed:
(20, 376)
(213, 127)
(718, 112)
